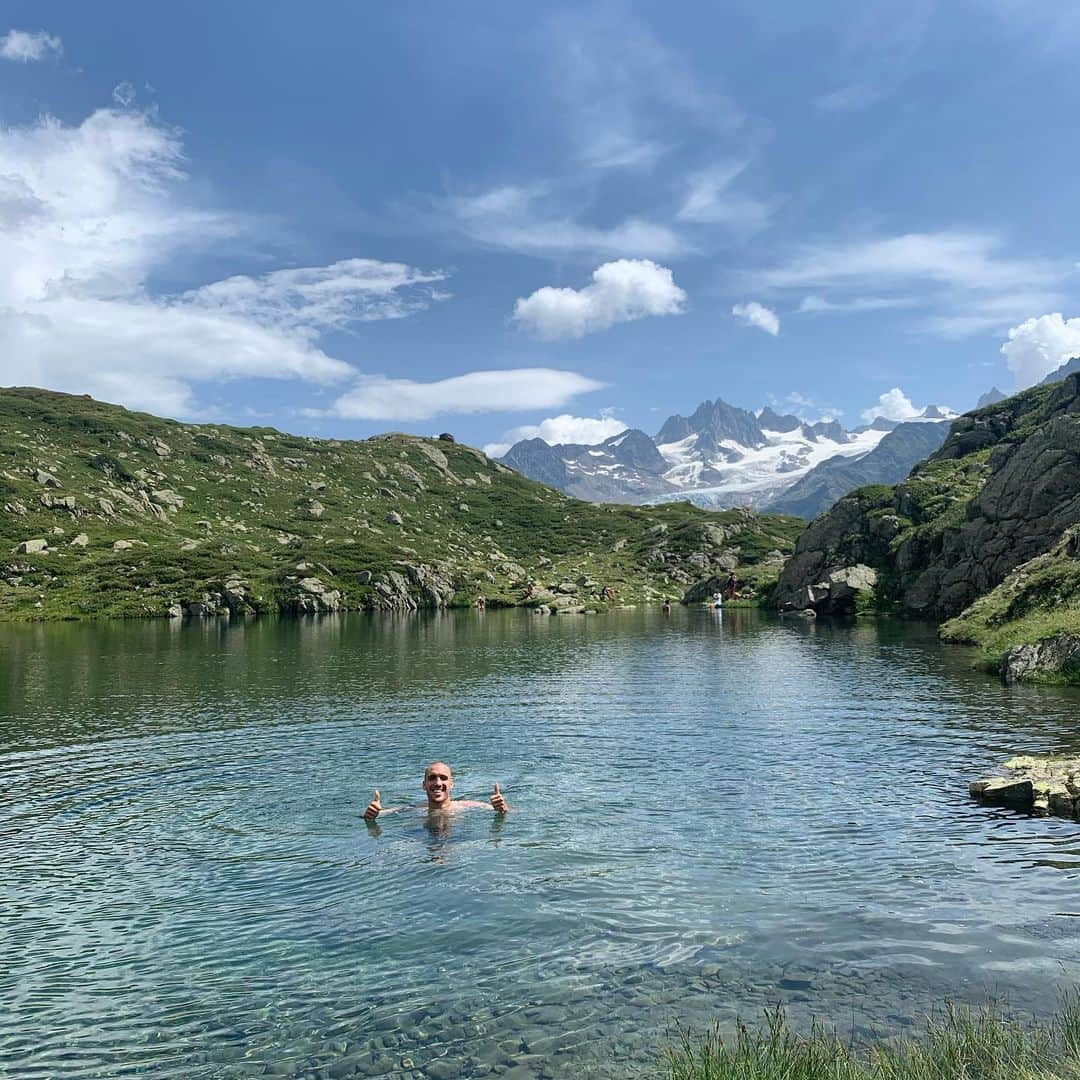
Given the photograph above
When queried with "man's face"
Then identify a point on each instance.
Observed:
(438, 783)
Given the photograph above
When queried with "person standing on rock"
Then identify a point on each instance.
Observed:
(438, 786)
(730, 586)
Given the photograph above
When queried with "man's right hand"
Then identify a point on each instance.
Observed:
(374, 808)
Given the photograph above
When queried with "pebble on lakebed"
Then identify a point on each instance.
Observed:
(1043, 785)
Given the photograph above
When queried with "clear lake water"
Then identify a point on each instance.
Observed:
(710, 815)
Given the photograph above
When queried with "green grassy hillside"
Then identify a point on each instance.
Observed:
(140, 515)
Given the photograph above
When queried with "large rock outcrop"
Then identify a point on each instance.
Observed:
(1002, 490)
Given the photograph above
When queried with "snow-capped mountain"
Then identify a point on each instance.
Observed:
(719, 456)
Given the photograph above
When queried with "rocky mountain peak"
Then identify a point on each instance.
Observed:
(770, 420)
(991, 397)
(536, 459)
(635, 449)
(718, 421)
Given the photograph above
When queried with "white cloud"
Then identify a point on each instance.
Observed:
(991, 313)
(377, 397)
(623, 93)
(805, 408)
(620, 291)
(311, 299)
(964, 279)
(755, 314)
(817, 305)
(959, 259)
(27, 46)
(894, 404)
(88, 213)
(532, 220)
(1039, 346)
(124, 94)
(560, 430)
(709, 200)
(852, 98)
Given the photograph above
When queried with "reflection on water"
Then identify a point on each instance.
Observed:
(712, 812)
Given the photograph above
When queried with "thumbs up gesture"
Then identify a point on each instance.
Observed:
(498, 801)
(374, 808)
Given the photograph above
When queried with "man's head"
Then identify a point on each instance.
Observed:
(438, 783)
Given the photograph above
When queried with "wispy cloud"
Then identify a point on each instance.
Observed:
(312, 299)
(817, 305)
(710, 200)
(805, 408)
(755, 314)
(847, 99)
(90, 212)
(533, 220)
(965, 281)
(29, 46)
(124, 94)
(378, 397)
(620, 291)
(967, 260)
(623, 92)
(618, 100)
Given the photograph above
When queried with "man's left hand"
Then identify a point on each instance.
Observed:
(498, 801)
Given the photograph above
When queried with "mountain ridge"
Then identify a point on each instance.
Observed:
(719, 456)
(108, 512)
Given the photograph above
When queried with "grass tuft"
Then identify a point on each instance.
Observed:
(964, 1043)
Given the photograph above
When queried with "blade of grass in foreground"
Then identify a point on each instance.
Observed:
(963, 1044)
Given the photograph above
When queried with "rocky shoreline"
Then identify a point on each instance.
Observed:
(1038, 785)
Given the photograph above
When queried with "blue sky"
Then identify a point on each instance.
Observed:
(507, 219)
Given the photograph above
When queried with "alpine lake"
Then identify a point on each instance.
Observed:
(710, 815)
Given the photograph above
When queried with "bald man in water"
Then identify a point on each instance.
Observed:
(438, 786)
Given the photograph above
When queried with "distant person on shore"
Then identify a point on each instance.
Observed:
(730, 586)
(666, 607)
(438, 786)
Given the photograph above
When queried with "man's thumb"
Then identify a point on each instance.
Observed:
(376, 799)
(496, 789)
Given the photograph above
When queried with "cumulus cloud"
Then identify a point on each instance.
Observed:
(894, 404)
(620, 291)
(27, 46)
(560, 430)
(89, 212)
(755, 314)
(1039, 346)
(377, 397)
